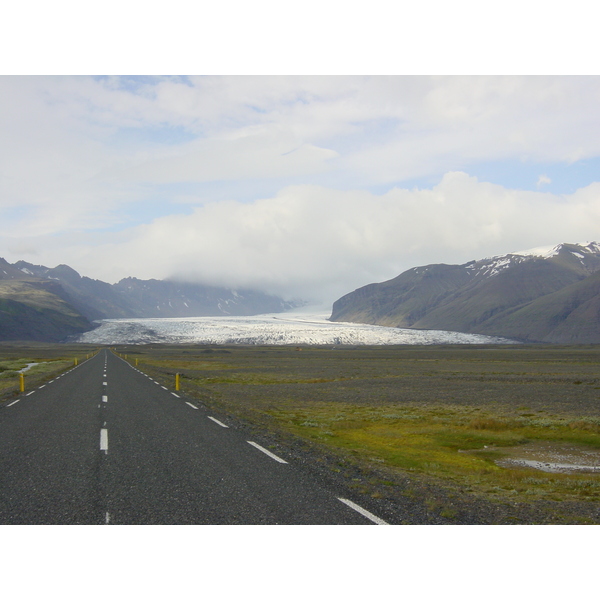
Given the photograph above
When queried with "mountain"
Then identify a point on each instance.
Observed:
(158, 298)
(34, 310)
(50, 304)
(536, 296)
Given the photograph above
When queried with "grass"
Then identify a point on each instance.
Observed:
(437, 441)
(50, 360)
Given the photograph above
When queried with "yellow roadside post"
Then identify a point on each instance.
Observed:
(176, 382)
(22, 382)
(136, 362)
(75, 362)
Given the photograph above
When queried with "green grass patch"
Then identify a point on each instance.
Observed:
(49, 359)
(440, 441)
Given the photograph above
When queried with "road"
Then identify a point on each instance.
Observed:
(105, 444)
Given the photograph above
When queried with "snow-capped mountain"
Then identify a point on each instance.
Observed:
(544, 294)
(586, 254)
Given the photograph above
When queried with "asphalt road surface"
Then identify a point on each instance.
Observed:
(105, 444)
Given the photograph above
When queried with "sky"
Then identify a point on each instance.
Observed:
(303, 186)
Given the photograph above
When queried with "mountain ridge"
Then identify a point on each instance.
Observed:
(533, 297)
(51, 304)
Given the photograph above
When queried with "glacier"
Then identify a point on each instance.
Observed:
(292, 328)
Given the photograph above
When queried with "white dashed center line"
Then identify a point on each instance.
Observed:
(104, 440)
(104, 398)
(219, 422)
(363, 512)
(273, 456)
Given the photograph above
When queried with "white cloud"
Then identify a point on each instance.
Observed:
(311, 241)
(542, 180)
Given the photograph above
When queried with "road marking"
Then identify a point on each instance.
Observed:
(363, 512)
(176, 396)
(163, 387)
(156, 382)
(107, 518)
(273, 456)
(104, 440)
(13, 403)
(30, 393)
(42, 386)
(190, 404)
(104, 398)
(104, 383)
(219, 422)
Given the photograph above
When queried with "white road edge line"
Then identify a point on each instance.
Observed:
(107, 518)
(30, 393)
(104, 440)
(176, 396)
(219, 422)
(104, 398)
(13, 403)
(163, 387)
(190, 404)
(273, 456)
(363, 512)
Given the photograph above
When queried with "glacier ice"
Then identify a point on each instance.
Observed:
(295, 328)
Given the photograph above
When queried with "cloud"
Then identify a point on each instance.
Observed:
(542, 180)
(319, 243)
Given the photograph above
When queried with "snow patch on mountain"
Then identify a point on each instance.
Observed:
(491, 266)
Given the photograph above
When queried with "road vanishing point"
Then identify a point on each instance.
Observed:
(105, 444)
